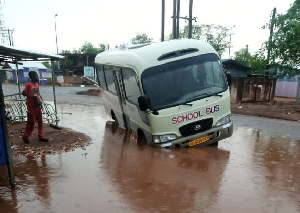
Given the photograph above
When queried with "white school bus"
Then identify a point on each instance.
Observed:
(173, 93)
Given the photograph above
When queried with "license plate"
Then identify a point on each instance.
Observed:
(198, 141)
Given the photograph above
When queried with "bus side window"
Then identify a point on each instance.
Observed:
(100, 76)
(109, 76)
(131, 86)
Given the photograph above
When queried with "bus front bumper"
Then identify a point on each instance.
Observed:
(215, 134)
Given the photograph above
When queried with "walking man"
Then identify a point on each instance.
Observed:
(34, 108)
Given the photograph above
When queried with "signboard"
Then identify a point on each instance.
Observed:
(89, 71)
(47, 75)
(60, 79)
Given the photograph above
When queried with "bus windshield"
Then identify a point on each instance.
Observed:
(183, 81)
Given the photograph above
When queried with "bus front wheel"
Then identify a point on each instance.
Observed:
(141, 138)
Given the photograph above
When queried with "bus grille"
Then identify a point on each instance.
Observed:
(196, 127)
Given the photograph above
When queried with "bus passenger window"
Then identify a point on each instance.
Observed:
(131, 86)
(100, 76)
(109, 75)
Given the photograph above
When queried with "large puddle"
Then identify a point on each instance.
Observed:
(250, 172)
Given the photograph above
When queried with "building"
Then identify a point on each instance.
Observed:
(23, 67)
(236, 69)
(73, 64)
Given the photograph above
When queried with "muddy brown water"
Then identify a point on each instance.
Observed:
(250, 172)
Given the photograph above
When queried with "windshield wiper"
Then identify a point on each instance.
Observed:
(173, 104)
(206, 94)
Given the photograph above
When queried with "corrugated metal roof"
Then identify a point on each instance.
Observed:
(235, 62)
(35, 64)
(23, 54)
(27, 64)
(14, 67)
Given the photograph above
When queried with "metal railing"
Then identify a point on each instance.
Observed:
(90, 80)
(16, 110)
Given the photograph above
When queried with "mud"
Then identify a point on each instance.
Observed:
(90, 92)
(64, 140)
(283, 108)
(253, 171)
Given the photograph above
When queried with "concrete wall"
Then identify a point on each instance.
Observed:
(73, 80)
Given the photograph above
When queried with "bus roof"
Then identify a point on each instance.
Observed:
(147, 56)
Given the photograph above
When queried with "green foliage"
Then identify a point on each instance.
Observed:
(243, 56)
(141, 39)
(46, 64)
(216, 35)
(257, 61)
(87, 48)
(65, 51)
(284, 45)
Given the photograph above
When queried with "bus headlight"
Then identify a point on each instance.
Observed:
(164, 138)
(224, 120)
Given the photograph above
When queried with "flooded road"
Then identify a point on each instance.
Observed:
(253, 171)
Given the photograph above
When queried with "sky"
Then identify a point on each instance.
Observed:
(117, 21)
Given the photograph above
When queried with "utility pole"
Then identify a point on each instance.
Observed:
(190, 18)
(298, 92)
(162, 20)
(230, 41)
(271, 34)
(178, 16)
(246, 55)
(174, 19)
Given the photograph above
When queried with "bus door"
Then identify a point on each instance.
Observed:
(122, 97)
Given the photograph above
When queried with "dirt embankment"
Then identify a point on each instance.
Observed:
(90, 92)
(63, 140)
(283, 108)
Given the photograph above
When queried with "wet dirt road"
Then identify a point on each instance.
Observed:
(254, 171)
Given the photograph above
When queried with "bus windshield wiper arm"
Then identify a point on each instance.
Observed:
(172, 104)
(205, 94)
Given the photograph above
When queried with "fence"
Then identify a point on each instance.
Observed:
(16, 110)
(287, 87)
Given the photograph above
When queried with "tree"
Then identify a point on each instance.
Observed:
(285, 43)
(257, 61)
(216, 35)
(65, 51)
(141, 39)
(243, 56)
(87, 48)
(46, 64)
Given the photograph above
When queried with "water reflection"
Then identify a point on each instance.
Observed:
(154, 179)
(32, 185)
(279, 163)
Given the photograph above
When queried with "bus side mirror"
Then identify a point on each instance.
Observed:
(143, 103)
(228, 76)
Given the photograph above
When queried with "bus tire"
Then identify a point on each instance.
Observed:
(141, 138)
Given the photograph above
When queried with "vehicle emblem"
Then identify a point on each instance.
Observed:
(197, 127)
